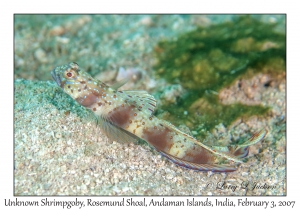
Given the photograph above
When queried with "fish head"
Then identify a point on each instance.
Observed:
(78, 83)
(66, 74)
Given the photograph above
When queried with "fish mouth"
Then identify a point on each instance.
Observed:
(56, 77)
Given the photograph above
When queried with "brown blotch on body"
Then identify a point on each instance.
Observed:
(198, 155)
(157, 139)
(89, 100)
(121, 116)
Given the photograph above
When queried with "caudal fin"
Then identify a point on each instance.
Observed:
(242, 150)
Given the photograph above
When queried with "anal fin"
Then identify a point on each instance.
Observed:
(197, 166)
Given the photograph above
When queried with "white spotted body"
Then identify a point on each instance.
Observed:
(128, 114)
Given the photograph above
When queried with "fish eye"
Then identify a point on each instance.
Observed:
(70, 74)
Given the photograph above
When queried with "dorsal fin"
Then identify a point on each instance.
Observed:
(142, 100)
(119, 84)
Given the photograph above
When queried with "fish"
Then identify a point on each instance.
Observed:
(127, 115)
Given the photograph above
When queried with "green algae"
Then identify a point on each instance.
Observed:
(208, 59)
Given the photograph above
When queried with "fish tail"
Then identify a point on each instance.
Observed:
(243, 149)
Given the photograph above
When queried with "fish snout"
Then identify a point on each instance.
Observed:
(56, 77)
